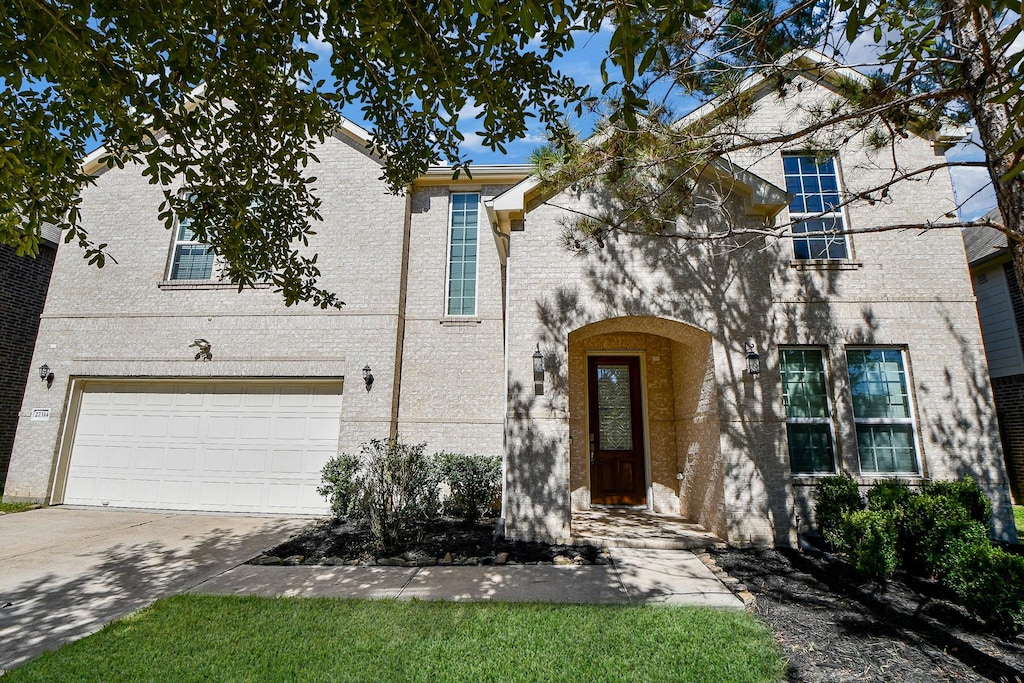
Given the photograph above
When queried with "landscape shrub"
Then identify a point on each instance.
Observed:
(869, 538)
(388, 486)
(342, 485)
(890, 494)
(400, 485)
(474, 482)
(835, 496)
(993, 588)
(931, 526)
(967, 493)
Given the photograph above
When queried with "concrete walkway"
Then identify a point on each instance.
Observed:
(670, 577)
(66, 572)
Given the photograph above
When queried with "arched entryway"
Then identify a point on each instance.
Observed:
(644, 419)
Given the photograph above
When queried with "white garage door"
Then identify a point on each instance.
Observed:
(218, 446)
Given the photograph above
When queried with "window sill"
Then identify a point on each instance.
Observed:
(204, 284)
(863, 479)
(460, 322)
(825, 264)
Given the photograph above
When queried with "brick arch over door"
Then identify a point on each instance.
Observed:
(680, 413)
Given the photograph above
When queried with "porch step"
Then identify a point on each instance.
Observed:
(694, 542)
(631, 528)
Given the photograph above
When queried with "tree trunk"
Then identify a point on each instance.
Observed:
(987, 75)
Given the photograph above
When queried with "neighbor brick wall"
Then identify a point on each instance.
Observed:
(23, 283)
(1009, 397)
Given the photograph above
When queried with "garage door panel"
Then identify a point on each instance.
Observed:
(233, 446)
(150, 458)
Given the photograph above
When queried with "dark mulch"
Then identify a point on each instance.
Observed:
(348, 543)
(833, 626)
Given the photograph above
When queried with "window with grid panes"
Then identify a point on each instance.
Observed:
(881, 411)
(462, 253)
(808, 417)
(815, 207)
(192, 260)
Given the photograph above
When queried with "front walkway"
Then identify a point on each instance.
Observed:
(634, 576)
(631, 528)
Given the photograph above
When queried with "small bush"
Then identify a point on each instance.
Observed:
(835, 496)
(388, 485)
(967, 493)
(890, 494)
(474, 480)
(342, 485)
(993, 588)
(930, 525)
(400, 486)
(869, 537)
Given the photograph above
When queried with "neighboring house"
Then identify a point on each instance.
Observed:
(1001, 310)
(23, 283)
(615, 377)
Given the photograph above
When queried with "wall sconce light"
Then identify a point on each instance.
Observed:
(205, 352)
(368, 377)
(46, 374)
(753, 360)
(538, 372)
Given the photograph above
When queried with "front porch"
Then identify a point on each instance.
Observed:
(633, 528)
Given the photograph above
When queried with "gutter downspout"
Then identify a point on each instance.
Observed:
(403, 287)
(504, 240)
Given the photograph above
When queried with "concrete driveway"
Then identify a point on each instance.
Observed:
(66, 572)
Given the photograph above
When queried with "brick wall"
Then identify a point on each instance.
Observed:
(23, 283)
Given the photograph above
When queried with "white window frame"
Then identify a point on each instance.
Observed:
(448, 258)
(911, 411)
(839, 215)
(177, 242)
(828, 420)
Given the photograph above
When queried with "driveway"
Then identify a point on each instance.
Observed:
(66, 572)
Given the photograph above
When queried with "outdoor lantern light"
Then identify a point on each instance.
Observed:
(753, 360)
(538, 372)
(44, 373)
(368, 377)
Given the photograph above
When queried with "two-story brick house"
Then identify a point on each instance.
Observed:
(664, 375)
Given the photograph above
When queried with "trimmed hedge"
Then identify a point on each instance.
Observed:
(836, 497)
(474, 481)
(941, 532)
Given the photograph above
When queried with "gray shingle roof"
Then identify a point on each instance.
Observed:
(982, 243)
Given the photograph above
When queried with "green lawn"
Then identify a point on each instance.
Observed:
(204, 638)
(1018, 518)
(16, 507)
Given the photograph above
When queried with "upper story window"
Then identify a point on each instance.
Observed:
(815, 207)
(192, 260)
(881, 411)
(808, 417)
(462, 253)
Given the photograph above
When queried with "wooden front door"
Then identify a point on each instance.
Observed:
(617, 473)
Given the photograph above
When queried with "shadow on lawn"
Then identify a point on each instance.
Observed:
(75, 592)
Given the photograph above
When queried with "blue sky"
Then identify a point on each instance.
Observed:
(972, 185)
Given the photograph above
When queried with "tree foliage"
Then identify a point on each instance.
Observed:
(940, 64)
(214, 99)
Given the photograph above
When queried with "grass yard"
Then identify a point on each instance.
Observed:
(1018, 518)
(203, 638)
(8, 508)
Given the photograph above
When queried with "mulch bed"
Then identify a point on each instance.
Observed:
(443, 540)
(833, 626)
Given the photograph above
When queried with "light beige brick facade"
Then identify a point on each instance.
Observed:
(715, 436)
